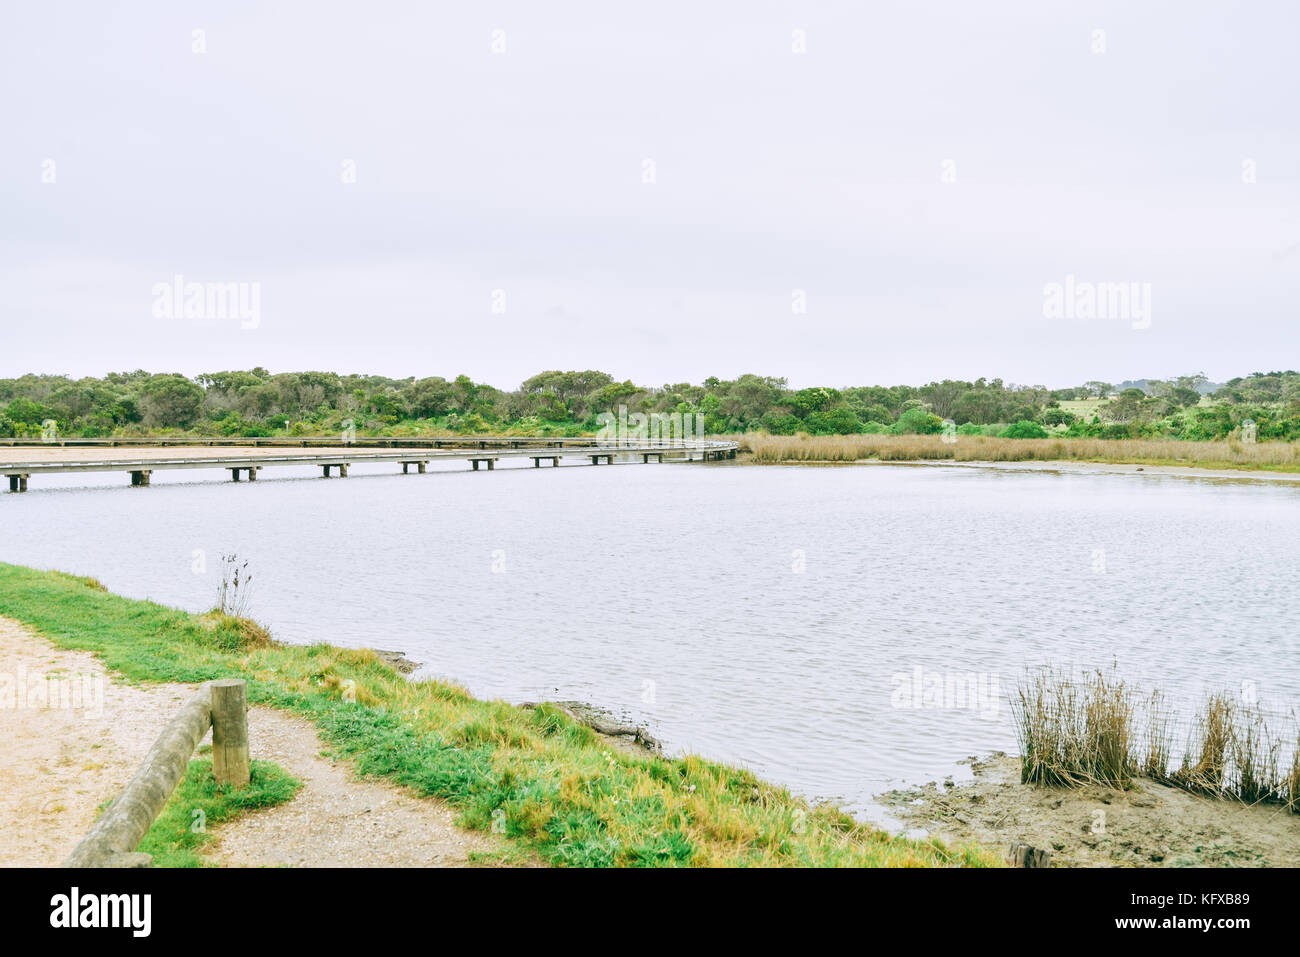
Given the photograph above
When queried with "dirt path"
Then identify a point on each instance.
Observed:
(58, 764)
(1148, 826)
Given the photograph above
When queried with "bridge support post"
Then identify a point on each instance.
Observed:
(234, 475)
(252, 473)
(18, 483)
(140, 477)
(421, 466)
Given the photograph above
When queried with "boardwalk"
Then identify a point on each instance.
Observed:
(243, 459)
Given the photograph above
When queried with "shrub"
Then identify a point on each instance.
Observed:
(1024, 430)
(780, 423)
(918, 422)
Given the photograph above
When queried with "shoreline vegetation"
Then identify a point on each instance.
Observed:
(1227, 455)
(1073, 732)
(543, 780)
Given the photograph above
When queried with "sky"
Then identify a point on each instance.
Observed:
(835, 193)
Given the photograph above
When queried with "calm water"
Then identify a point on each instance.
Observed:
(761, 615)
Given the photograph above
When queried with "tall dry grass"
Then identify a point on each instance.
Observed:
(1157, 752)
(1074, 732)
(1280, 456)
(1292, 782)
(1205, 761)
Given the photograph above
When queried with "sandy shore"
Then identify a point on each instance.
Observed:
(58, 765)
(1149, 825)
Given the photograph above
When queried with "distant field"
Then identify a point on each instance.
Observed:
(1083, 409)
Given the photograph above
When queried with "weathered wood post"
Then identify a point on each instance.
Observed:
(1025, 855)
(230, 732)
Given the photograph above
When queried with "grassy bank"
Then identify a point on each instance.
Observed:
(552, 785)
(1267, 456)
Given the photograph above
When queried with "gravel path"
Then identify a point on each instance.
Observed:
(58, 764)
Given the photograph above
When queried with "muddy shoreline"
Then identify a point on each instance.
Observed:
(1149, 825)
(1055, 467)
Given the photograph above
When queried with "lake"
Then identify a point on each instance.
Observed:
(796, 620)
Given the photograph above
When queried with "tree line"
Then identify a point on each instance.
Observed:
(258, 402)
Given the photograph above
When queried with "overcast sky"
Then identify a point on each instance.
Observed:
(921, 172)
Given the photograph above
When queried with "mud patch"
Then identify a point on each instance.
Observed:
(1150, 825)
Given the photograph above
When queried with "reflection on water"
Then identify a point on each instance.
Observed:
(790, 619)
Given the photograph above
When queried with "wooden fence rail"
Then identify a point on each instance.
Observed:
(219, 705)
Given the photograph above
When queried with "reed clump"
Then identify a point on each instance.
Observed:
(1205, 761)
(1292, 783)
(1075, 732)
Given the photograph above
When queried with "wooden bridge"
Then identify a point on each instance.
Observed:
(21, 459)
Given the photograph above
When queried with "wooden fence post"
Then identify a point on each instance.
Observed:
(230, 732)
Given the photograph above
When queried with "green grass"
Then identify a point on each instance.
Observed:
(185, 825)
(563, 793)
